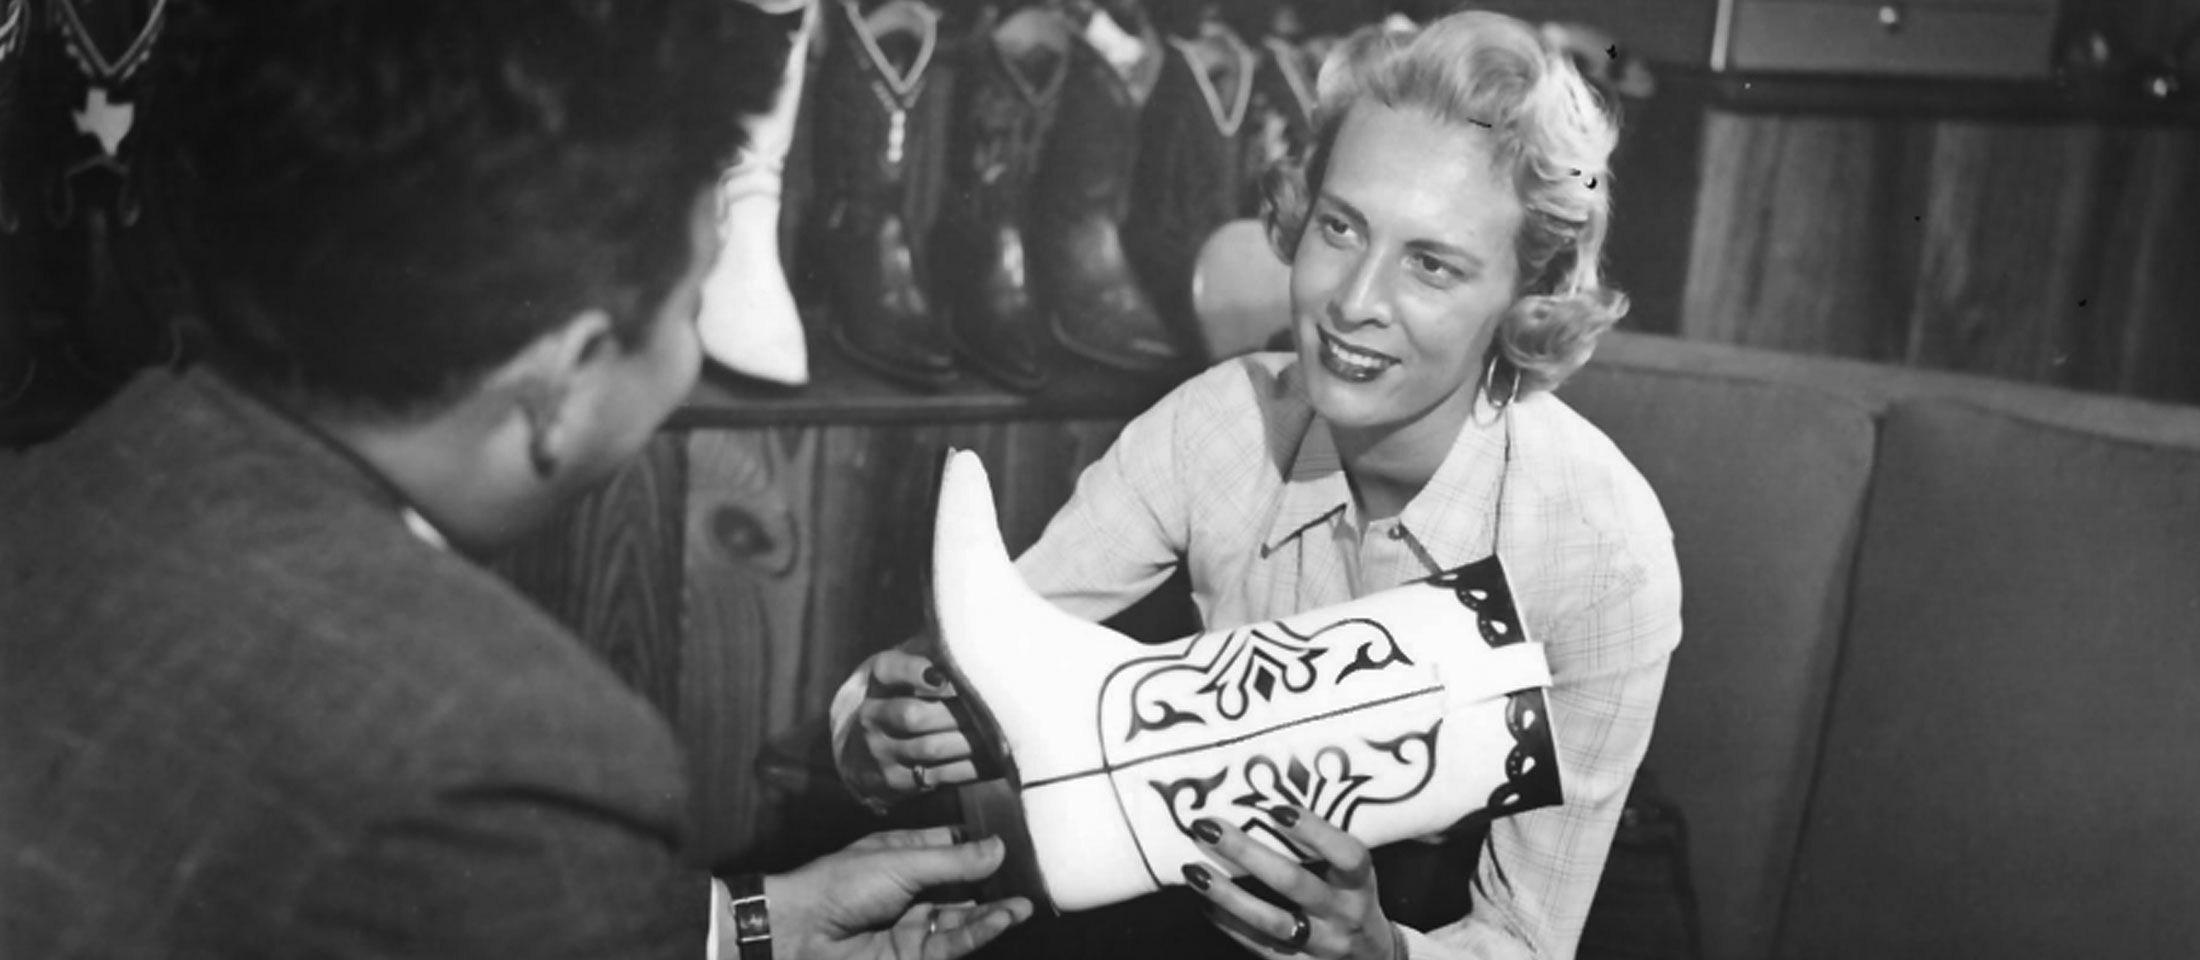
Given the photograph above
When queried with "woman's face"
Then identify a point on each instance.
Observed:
(1402, 274)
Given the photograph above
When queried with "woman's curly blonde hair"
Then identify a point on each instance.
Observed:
(1554, 138)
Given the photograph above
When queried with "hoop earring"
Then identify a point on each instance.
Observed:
(1489, 392)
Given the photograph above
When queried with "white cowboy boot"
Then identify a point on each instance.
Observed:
(748, 320)
(1393, 716)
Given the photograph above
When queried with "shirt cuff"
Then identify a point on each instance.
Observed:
(721, 911)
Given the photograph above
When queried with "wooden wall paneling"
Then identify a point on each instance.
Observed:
(2011, 247)
(2149, 293)
(749, 576)
(1791, 248)
(609, 569)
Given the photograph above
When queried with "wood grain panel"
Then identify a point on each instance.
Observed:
(748, 578)
(1792, 222)
(2009, 250)
(2059, 253)
(2149, 294)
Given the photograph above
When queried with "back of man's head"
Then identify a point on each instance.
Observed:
(382, 200)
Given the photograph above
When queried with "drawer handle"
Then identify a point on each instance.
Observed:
(1890, 17)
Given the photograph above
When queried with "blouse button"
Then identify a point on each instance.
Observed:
(1398, 533)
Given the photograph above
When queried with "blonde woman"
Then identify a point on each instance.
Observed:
(1443, 237)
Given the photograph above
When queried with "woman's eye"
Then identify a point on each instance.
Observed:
(1434, 267)
(1335, 227)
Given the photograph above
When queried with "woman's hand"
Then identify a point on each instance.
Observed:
(1338, 914)
(905, 739)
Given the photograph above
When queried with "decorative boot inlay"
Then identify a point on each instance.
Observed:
(867, 139)
(1393, 716)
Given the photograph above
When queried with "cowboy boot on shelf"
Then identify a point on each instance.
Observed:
(1393, 716)
(105, 268)
(1005, 98)
(1187, 180)
(1080, 193)
(867, 139)
(748, 320)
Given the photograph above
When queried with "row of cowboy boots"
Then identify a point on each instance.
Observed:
(1033, 183)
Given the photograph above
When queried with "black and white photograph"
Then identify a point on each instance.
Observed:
(1099, 479)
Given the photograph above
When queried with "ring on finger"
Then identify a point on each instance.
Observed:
(917, 773)
(932, 923)
(1302, 930)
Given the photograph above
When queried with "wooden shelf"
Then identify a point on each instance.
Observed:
(2043, 100)
(839, 391)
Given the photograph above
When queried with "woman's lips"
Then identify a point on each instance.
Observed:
(1350, 363)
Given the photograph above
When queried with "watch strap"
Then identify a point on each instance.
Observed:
(752, 919)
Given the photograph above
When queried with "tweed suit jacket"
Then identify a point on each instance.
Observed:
(244, 712)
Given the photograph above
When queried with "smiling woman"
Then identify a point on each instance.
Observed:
(1444, 237)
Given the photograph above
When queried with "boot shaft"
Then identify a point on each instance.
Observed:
(1190, 166)
(1188, 180)
(868, 104)
(1085, 166)
(1006, 93)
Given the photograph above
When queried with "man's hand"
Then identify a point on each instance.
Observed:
(905, 741)
(861, 903)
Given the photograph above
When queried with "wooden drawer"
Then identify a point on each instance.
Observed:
(1972, 38)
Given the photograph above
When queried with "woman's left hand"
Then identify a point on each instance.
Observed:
(1337, 915)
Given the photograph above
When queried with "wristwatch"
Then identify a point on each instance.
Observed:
(752, 918)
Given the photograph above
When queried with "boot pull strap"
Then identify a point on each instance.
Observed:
(907, 17)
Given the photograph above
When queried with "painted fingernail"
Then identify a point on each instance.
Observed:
(1196, 875)
(1285, 816)
(1207, 831)
(932, 677)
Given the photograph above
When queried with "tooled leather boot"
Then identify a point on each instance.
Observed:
(1080, 195)
(1188, 180)
(1393, 716)
(868, 136)
(1005, 94)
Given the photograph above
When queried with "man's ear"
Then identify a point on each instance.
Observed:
(552, 382)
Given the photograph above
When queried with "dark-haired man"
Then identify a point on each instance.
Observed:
(254, 698)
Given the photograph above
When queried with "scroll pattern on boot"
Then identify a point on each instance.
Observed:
(1333, 717)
